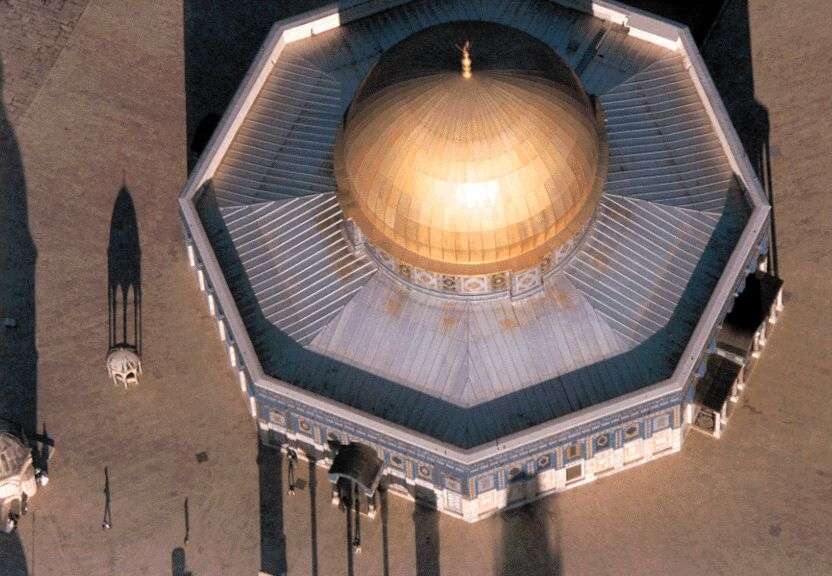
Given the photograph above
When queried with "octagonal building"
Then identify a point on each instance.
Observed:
(498, 249)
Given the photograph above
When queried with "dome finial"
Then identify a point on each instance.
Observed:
(466, 59)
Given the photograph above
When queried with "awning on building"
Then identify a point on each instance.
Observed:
(751, 308)
(358, 463)
(715, 387)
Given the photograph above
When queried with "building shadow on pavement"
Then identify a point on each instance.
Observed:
(221, 40)
(728, 54)
(124, 275)
(530, 534)
(18, 350)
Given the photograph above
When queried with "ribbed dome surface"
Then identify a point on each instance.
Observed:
(470, 175)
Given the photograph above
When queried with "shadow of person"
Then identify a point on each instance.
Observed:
(178, 563)
(124, 275)
(18, 351)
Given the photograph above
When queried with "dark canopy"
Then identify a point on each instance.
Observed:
(716, 385)
(751, 308)
(358, 463)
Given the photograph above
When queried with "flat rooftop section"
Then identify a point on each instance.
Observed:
(615, 319)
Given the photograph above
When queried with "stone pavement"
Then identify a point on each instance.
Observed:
(110, 110)
(32, 35)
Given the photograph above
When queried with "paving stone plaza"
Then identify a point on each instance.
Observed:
(97, 125)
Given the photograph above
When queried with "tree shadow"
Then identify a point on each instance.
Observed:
(530, 533)
(124, 275)
(18, 349)
(272, 536)
(729, 57)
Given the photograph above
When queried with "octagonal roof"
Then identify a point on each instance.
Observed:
(627, 317)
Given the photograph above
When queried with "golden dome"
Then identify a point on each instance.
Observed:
(470, 175)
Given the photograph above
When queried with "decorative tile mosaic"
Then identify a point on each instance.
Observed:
(453, 483)
(632, 431)
(449, 283)
(426, 279)
(425, 471)
(661, 422)
(485, 483)
(473, 285)
(526, 281)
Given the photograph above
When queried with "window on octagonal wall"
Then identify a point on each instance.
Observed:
(573, 452)
(574, 472)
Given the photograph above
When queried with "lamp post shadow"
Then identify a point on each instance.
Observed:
(124, 275)
(426, 533)
(385, 536)
(107, 522)
(313, 516)
(272, 536)
(179, 563)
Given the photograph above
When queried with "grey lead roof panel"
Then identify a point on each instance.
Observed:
(298, 267)
(662, 145)
(615, 319)
(468, 352)
(283, 149)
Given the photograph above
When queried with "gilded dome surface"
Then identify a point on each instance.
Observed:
(470, 175)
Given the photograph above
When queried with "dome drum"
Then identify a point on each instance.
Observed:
(514, 283)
